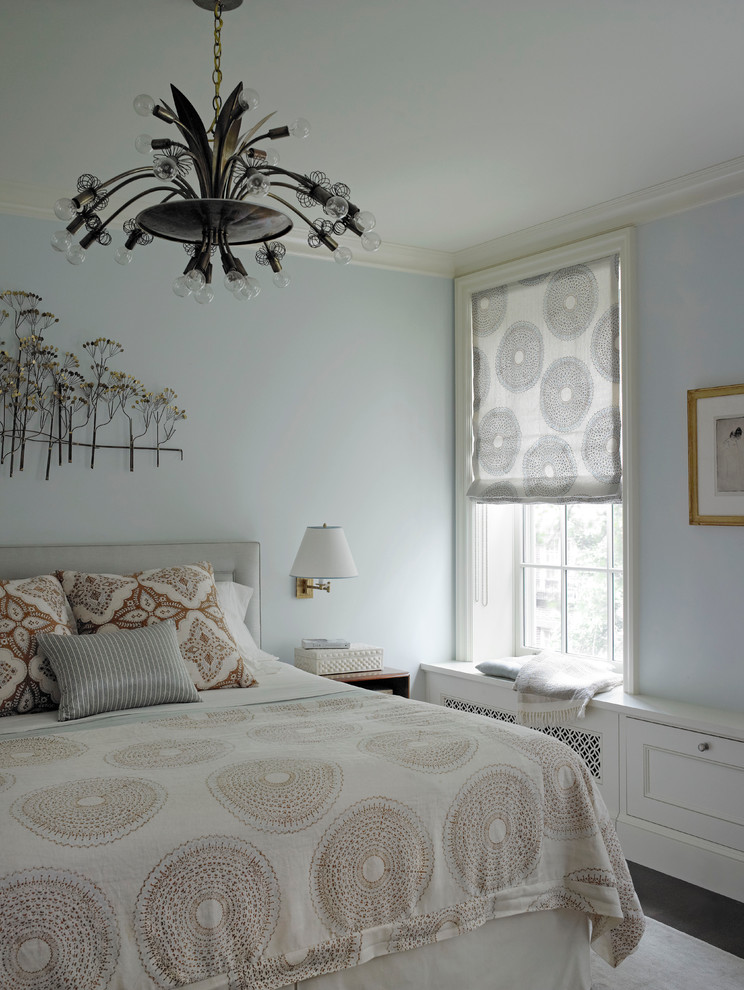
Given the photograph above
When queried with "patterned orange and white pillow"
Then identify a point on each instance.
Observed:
(29, 606)
(185, 593)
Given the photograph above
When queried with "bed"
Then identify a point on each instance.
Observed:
(298, 833)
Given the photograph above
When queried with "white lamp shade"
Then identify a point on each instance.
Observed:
(324, 553)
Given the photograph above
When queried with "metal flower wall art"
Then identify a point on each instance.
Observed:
(46, 399)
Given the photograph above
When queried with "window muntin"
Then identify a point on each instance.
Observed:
(570, 580)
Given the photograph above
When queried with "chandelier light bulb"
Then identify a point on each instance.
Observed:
(166, 169)
(64, 209)
(342, 255)
(234, 281)
(257, 184)
(61, 240)
(144, 105)
(365, 220)
(299, 128)
(248, 99)
(281, 280)
(181, 287)
(336, 207)
(371, 241)
(143, 144)
(122, 256)
(272, 157)
(195, 280)
(251, 288)
(204, 295)
(75, 254)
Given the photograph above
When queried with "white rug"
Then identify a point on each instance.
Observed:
(670, 960)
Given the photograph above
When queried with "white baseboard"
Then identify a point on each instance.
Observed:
(706, 865)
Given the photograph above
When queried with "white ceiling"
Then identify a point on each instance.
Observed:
(454, 122)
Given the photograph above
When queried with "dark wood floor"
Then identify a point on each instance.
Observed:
(698, 912)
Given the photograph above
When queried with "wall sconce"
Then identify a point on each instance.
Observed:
(324, 553)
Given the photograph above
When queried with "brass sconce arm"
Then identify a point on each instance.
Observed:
(306, 587)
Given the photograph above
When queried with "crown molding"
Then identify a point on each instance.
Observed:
(24, 199)
(418, 261)
(664, 199)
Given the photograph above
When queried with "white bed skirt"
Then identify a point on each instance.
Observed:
(543, 950)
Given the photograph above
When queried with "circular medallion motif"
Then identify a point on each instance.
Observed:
(606, 345)
(278, 795)
(311, 709)
(497, 441)
(58, 930)
(411, 715)
(559, 897)
(316, 733)
(89, 812)
(293, 967)
(600, 447)
(566, 393)
(568, 810)
(168, 753)
(430, 752)
(204, 720)
(503, 491)
(371, 866)
(489, 309)
(493, 831)
(38, 750)
(424, 929)
(519, 359)
(481, 378)
(549, 468)
(204, 909)
(571, 300)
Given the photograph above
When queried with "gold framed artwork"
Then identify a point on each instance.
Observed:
(715, 436)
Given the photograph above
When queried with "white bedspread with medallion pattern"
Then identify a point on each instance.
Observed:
(276, 833)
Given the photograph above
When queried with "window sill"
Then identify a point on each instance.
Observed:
(654, 709)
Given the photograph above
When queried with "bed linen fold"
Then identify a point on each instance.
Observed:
(279, 838)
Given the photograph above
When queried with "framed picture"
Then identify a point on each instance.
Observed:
(715, 434)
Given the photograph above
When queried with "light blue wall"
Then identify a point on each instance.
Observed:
(691, 335)
(330, 401)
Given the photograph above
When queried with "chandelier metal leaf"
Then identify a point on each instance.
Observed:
(217, 188)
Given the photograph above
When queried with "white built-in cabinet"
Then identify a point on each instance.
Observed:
(671, 774)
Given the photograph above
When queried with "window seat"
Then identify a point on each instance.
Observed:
(666, 710)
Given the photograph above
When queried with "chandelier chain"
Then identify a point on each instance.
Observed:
(217, 71)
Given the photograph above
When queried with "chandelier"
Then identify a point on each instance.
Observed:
(217, 188)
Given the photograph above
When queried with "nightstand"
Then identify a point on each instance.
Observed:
(387, 679)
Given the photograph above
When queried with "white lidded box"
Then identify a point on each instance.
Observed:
(358, 657)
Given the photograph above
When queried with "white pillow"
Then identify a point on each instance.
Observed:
(233, 599)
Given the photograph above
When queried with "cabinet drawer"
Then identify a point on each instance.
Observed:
(686, 780)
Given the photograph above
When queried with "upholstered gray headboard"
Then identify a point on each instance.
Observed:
(231, 562)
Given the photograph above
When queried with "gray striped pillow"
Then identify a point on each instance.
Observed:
(108, 672)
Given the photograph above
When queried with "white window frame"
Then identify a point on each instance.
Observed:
(620, 242)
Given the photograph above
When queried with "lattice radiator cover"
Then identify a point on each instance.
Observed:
(586, 743)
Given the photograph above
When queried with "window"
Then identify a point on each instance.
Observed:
(544, 541)
(570, 580)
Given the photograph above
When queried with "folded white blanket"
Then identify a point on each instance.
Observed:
(553, 688)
